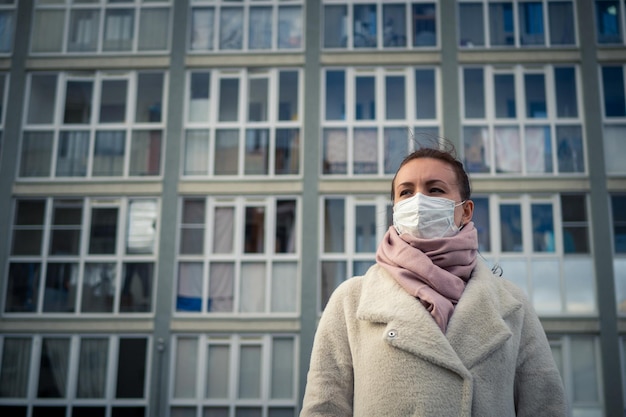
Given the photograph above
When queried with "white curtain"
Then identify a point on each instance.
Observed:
(15, 366)
(92, 368)
(197, 152)
(221, 287)
(252, 292)
(53, 369)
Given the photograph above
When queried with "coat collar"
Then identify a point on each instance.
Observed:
(477, 327)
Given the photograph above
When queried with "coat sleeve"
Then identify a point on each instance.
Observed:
(539, 388)
(330, 380)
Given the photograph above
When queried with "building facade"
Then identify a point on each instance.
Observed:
(184, 183)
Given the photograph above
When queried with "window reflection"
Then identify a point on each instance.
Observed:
(511, 228)
(231, 28)
(531, 23)
(99, 284)
(394, 25)
(254, 240)
(543, 228)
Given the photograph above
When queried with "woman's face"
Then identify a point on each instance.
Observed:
(434, 178)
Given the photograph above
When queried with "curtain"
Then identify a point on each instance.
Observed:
(92, 368)
(252, 291)
(223, 230)
(197, 152)
(53, 368)
(221, 287)
(15, 366)
(153, 29)
(72, 154)
(48, 31)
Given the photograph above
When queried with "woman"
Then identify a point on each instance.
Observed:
(430, 330)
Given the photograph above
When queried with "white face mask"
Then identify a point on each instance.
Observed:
(425, 217)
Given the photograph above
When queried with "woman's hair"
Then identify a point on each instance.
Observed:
(447, 155)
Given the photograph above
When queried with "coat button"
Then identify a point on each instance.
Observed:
(392, 334)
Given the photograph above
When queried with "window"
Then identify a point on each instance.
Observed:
(618, 211)
(540, 242)
(4, 78)
(81, 125)
(89, 375)
(101, 27)
(609, 21)
(238, 256)
(356, 25)
(246, 25)
(518, 23)
(243, 123)
(522, 121)
(7, 25)
(614, 103)
(372, 118)
(243, 375)
(87, 256)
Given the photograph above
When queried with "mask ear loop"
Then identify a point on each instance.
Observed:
(463, 224)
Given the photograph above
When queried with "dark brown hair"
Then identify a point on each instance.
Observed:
(447, 155)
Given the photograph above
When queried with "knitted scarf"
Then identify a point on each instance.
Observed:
(435, 271)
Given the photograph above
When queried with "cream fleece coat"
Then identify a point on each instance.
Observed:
(378, 352)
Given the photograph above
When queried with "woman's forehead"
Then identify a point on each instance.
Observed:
(426, 169)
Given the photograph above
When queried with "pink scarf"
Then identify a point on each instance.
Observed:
(433, 270)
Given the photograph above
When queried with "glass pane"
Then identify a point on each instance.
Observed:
(360, 267)
(221, 287)
(424, 24)
(613, 91)
(575, 229)
(231, 28)
(248, 412)
(395, 97)
(584, 370)
(149, 97)
(109, 150)
(136, 294)
(254, 239)
(78, 97)
(288, 93)
(43, 91)
(128, 412)
(199, 97)
(511, 228)
(229, 100)
(145, 153)
(260, 31)
(565, 88)
(504, 88)
(290, 27)
(217, 372)
(53, 368)
(365, 229)
(394, 29)
(131, 368)
(535, 91)
(186, 367)
(364, 26)
(252, 291)
(60, 289)
(282, 374)
(36, 154)
(113, 101)
(192, 227)
(482, 223)
(249, 372)
(28, 227)
(284, 287)
(189, 288)
(569, 142)
(103, 232)
(508, 150)
(618, 210)
(335, 104)
(334, 225)
(335, 30)
(619, 269)
(365, 103)
(226, 152)
(281, 412)
(99, 284)
(365, 151)
(257, 152)
(88, 411)
(538, 144)
(141, 228)
(501, 24)
(335, 151)
(65, 230)
(202, 27)
(153, 29)
(396, 141)
(196, 152)
(474, 93)
(285, 233)
(472, 26)
(92, 368)
(118, 30)
(425, 94)
(22, 287)
(48, 411)
(84, 29)
(333, 274)
(579, 285)
(546, 287)
(515, 271)
(14, 369)
(48, 27)
(72, 153)
(608, 22)
(287, 157)
(543, 228)
(562, 29)
(224, 230)
(614, 148)
(215, 412)
(531, 23)
(258, 90)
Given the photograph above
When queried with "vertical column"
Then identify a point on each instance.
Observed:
(600, 210)
(12, 128)
(169, 203)
(310, 176)
(450, 108)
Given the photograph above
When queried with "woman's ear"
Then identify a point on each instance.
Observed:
(468, 212)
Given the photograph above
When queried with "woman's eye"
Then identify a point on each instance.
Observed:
(405, 192)
(436, 190)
